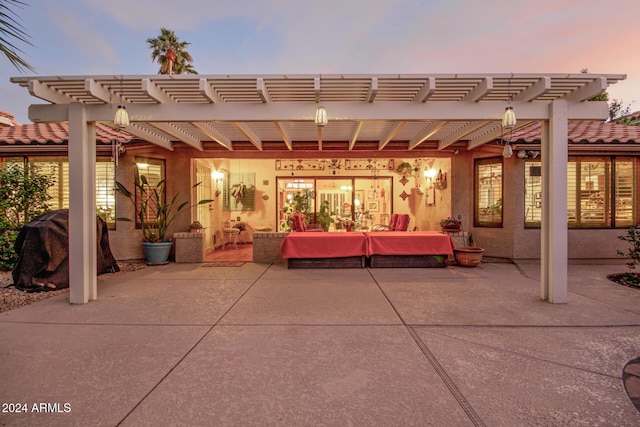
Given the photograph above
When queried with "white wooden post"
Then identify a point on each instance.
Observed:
(83, 280)
(554, 260)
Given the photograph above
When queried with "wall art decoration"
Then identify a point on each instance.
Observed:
(240, 192)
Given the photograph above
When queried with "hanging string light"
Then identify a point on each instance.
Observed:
(321, 116)
(121, 118)
(509, 116)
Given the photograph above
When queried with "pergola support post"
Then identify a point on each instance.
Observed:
(554, 239)
(83, 280)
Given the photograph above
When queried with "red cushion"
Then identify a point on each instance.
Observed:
(393, 222)
(298, 222)
(403, 222)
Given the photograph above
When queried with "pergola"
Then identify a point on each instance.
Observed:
(220, 113)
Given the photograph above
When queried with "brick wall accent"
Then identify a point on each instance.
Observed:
(189, 247)
(266, 247)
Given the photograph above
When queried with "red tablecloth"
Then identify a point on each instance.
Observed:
(408, 243)
(323, 245)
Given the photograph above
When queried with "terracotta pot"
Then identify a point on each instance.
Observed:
(468, 256)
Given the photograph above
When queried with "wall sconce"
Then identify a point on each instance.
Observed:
(321, 116)
(217, 177)
(524, 154)
(429, 174)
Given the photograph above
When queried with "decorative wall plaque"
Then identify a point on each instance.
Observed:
(368, 164)
(300, 165)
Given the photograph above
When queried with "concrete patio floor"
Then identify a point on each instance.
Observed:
(184, 344)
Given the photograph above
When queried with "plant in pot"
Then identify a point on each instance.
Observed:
(323, 216)
(451, 223)
(156, 215)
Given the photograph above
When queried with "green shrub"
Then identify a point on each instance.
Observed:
(23, 197)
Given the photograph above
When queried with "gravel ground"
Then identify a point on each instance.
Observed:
(11, 297)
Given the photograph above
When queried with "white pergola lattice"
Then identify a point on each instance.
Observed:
(267, 111)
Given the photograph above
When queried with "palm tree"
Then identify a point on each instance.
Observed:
(171, 54)
(11, 29)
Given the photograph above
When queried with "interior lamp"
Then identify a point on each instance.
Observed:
(321, 116)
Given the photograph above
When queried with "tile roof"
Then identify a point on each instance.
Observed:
(580, 132)
(584, 132)
(7, 119)
(56, 133)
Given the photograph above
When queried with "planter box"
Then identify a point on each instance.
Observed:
(408, 261)
(343, 262)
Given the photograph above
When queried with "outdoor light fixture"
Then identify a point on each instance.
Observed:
(509, 118)
(321, 116)
(122, 117)
(524, 155)
(507, 151)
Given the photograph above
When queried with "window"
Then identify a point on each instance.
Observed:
(488, 193)
(58, 169)
(602, 192)
(153, 172)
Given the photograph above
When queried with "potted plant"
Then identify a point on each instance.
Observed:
(156, 215)
(323, 216)
(348, 224)
(451, 223)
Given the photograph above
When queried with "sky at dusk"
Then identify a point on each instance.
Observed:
(98, 37)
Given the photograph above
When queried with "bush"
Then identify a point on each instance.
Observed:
(23, 197)
(633, 253)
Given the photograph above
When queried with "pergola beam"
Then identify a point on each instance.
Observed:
(286, 138)
(149, 136)
(541, 87)
(480, 91)
(426, 133)
(261, 89)
(588, 91)
(297, 111)
(390, 133)
(44, 92)
(250, 134)
(461, 133)
(355, 134)
(180, 134)
(151, 90)
(373, 90)
(214, 134)
(98, 91)
(207, 91)
(426, 91)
